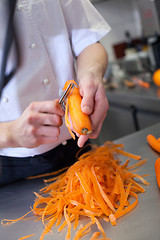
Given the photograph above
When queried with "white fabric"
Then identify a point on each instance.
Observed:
(51, 32)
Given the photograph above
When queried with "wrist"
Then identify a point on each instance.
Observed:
(7, 136)
(93, 59)
(96, 70)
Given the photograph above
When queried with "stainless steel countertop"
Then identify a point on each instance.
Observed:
(142, 98)
(141, 223)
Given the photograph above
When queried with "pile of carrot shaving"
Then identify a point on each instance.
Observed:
(98, 186)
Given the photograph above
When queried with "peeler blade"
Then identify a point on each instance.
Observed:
(65, 94)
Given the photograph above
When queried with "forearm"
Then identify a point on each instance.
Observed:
(92, 60)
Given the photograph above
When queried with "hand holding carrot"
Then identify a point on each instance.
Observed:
(91, 66)
(94, 103)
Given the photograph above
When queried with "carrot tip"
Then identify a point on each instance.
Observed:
(86, 131)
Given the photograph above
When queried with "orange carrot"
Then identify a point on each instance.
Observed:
(75, 119)
(143, 84)
(157, 170)
(95, 186)
(153, 142)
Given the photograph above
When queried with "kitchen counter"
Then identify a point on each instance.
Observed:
(143, 98)
(130, 110)
(141, 223)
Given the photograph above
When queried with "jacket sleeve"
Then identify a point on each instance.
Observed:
(85, 24)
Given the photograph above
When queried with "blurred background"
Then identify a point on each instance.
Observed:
(133, 47)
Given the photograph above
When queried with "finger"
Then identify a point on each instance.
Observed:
(37, 118)
(81, 140)
(47, 107)
(96, 131)
(46, 140)
(100, 108)
(48, 131)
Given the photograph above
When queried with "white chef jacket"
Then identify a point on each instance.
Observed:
(51, 33)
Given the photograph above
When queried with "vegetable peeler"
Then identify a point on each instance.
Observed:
(65, 94)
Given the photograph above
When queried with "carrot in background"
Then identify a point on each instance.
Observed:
(153, 142)
(157, 170)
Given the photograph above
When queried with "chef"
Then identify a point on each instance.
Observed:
(57, 41)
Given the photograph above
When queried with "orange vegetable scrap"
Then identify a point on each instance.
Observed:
(28, 236)
(97, 187)
(157, 170)
(75, 119)
(153, 142)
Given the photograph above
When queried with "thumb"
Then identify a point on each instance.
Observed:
(87, 103)
(81, 140)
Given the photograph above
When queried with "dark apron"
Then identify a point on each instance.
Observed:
(17, 168)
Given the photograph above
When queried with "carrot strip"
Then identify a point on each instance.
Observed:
(129, 208)
(76, 221)
(103, 194)
(95, 235)
(28, 236)
(136, 157)
(8, 221)
(69, 224)
(81, 231)
(48, 174)
(137, 164)
(67, 122)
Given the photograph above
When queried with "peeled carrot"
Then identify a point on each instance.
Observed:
(153, 142)
(157, 170)
(75, 119)
(96, 186)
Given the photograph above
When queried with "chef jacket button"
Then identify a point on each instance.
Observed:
(64, 143)
(5, 100)
(46, 81)
(20, 7)
(33, 45)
